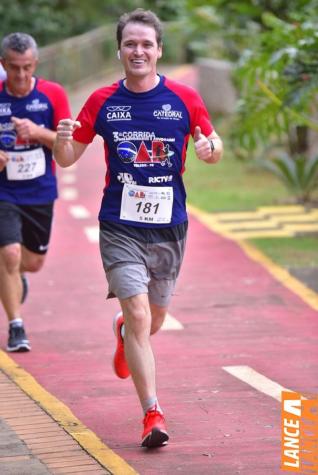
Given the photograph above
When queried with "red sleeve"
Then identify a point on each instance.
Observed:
(198, 112)
(88, 115)
(58, 99)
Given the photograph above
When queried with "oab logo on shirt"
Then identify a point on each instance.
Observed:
(141, 155)
(118, 113)
(7, 138)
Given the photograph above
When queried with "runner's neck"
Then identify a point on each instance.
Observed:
(142, 85)
(11, 93)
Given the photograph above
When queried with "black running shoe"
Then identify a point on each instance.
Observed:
(25, 288)
(18, 340)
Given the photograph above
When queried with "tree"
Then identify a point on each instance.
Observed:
(52, 20)
(274, 47)
(278, 79)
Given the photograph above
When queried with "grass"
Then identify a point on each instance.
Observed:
(232, 185)
(290, 252)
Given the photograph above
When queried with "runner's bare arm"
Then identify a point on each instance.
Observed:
(3, 160)
(204, 150)
(67, 151)
(28, 131)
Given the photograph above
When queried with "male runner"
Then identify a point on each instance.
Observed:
(30, 109)
(146, 121)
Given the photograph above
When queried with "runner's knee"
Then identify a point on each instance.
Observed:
(11, 257)
(158, 315)
(32, 262)
(137, 317)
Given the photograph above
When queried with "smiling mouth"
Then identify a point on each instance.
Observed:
(138, 61)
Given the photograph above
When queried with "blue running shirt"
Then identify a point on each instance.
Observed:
(145, 142)
(29, 177)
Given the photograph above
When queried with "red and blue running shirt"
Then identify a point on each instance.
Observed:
(29, 176)
(145, 142)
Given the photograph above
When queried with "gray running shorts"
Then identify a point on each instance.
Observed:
(133, 267)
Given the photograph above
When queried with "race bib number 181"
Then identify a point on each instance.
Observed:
(147, 204)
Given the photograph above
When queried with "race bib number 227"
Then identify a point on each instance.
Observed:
(26, 165)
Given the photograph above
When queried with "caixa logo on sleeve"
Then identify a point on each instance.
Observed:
(115, 113)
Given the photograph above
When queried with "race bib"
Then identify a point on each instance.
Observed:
(147, 204)
(26, 165)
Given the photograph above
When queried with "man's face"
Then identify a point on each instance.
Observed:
(139, 50)
(19, 68)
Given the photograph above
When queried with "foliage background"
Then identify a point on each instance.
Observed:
(52, 20)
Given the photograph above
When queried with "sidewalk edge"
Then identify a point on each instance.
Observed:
(87, 439)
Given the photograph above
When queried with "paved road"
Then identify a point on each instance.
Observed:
(237, 323)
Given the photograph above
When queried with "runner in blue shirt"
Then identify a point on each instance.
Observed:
(146, 121)
(30, 109)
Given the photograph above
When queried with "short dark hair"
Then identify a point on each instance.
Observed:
(146, 17)
(20, 43)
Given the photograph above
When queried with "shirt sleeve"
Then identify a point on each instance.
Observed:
(58, 99)
(200, 116)
(62, 108)
(197, 110)
(86, 117)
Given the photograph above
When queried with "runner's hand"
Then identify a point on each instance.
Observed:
(201, 144)
(66, 128)
(26, 129)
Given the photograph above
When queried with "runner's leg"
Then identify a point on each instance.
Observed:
(10, 279)
(158, 315)
(138, 351)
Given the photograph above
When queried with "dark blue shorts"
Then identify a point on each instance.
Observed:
(29, 225)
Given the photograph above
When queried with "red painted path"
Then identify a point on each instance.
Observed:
(233, 312)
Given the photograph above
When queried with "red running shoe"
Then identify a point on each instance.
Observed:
(155, 433)
(119, 362)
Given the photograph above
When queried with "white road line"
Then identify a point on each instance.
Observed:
(92, 233)
(68, 178)
(171, 323)
(71, 168)
(79, 212)
(68, 193)
(257, 380)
